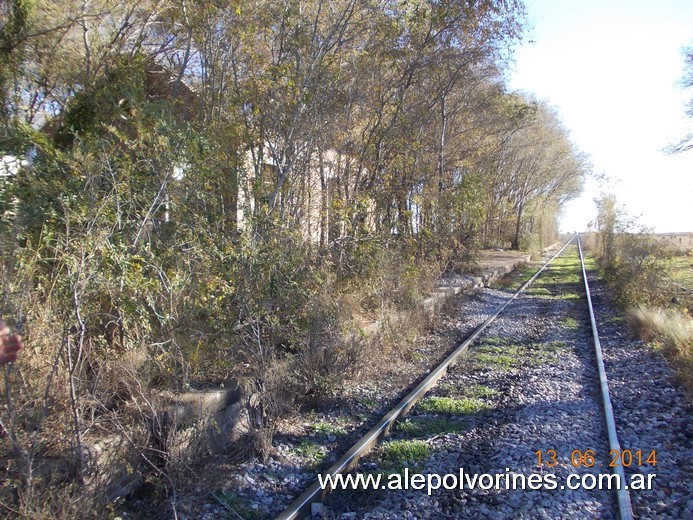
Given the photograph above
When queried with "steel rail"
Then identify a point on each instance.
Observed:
(301, 505)
(624, 505)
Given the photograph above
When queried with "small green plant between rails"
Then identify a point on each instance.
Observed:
(502, 354)
(497, 353)
(453, 406)
(536, 290)
(570, 323)
(475, 391)
(480, 391)
(546, 352)
(493, 358)
(428, 426)
(569, 275)
(399, 453)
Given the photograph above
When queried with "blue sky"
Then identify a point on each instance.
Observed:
(612, 68)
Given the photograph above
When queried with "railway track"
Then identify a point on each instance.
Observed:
(525, 395)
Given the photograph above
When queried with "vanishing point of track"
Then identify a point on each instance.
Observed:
(301, 506)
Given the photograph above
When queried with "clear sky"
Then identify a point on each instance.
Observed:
(613, 70)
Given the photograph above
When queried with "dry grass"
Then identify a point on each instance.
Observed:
(674, 330)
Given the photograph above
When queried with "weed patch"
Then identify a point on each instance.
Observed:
(538, 291)
(311, 451)
(398, 452)
(426, 427)
(568, 296)
(570, 323)
(546, 352)
(369, 403)
(496, 353)
(323, 428)
(480, 391)
(497, 361)
(452, 406)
